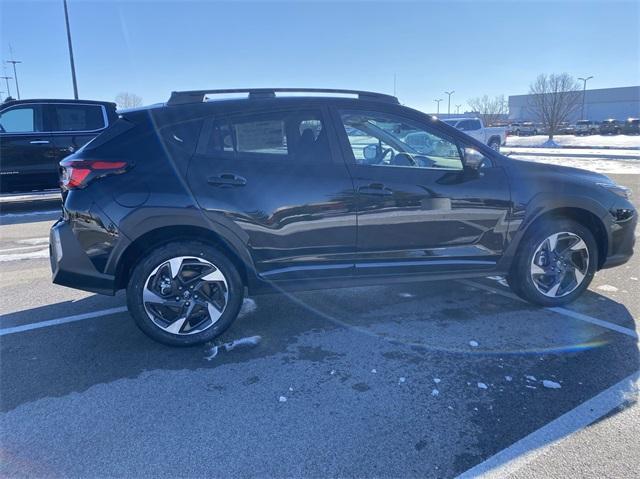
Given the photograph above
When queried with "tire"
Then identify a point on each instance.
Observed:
(536, 260)
(186, 307)
(495, 145)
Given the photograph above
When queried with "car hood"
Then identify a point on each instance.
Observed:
(566, 173)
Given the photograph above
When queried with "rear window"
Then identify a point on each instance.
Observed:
(68, 117)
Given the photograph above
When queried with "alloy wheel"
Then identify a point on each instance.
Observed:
(185, 295)
(560, 264)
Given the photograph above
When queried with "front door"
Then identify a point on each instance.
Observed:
(273, 178)
(419, 209)
(27, 156)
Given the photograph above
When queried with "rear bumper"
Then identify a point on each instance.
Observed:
(70, 266)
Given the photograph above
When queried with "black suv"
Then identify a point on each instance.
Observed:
(610, 127)
(36, 134)
(188, 203)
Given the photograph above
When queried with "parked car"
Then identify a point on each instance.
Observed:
(566, 128)
(187, 204)
(587, 127)
(493, 136)
(526, 128)
(610, 127)
(36, 134)
(631, 126)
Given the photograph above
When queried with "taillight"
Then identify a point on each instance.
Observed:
(75, 174)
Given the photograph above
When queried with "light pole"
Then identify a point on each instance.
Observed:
(458, 109)
(6, 79)
(584, 90)
(73, 66)
(15, 75)
(438, 102)
(449, 104)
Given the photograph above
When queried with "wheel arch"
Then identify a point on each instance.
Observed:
(157, 237)
(583, 216)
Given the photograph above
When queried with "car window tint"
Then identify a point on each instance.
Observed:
(382, 139)
(296, 136)
(21, 120)
(78, 117)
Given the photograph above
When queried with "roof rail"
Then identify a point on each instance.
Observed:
(197, 96)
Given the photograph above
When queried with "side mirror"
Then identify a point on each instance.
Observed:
(370, 153)
(473, 159)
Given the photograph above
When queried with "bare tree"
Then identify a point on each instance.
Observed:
(554, 99)
(128, 100)
(491, 109)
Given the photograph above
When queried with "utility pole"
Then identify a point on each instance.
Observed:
(438, 103)
(449, 105)
(73, 66)
(584, 91)
(458, 109)
(6, 79)
(15, 75)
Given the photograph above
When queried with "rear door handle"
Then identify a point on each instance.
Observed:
(227, 179)
(377, 189)
(39, 142)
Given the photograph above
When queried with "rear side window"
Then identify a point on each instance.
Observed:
(289, 136)
(21, 119)
(69, 117)
(468, 125)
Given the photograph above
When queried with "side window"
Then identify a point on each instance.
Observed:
(23, 119)
(382, 139)
(69, 117)
(298, 136)
(469, 125)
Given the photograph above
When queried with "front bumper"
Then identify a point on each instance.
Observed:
(622, 237)
(70, 265)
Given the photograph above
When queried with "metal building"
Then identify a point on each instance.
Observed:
(619, 103)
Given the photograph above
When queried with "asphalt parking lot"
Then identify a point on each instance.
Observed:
(433, 379)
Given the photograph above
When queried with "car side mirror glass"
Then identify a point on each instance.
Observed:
(370, 152)
(473, 159)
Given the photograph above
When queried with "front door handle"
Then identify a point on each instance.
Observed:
(377, 189)
(226, 180)
(39, 142)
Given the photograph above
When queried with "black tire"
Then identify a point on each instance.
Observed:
(495, 145)
(520, 278)
(162, 254)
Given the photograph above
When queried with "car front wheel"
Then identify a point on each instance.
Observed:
(184, 293)
(555, 263)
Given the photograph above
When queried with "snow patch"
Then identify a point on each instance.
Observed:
(436, 380)
(473, 344)
(551, 384)
(249, 341)
(482, 386)
(435, 392)
(509, 378)
(248, 306)
(282, 399)
(608, 288)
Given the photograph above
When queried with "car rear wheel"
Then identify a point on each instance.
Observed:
(555, 263)
(184, 293)
(494, 145)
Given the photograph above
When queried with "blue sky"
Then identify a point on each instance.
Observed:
(474, 48)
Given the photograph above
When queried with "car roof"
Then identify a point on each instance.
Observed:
(56, 100)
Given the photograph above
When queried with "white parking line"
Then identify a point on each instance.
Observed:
(522, 452)
(66, 319)
(559, 310)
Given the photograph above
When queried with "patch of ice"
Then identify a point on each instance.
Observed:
(551, 384)
(248, 306)
(282, 399)
(374, 371)
(290, 389)
(436, 380)
(633, 278)
(401, 380)
(435, 392)
(213, 352)
(406, 295)
(509, 378)
(333, 371)
(473, 344)
(531, 378)
(482, 386)
(608, 288)
(530, 387)
(249, 341)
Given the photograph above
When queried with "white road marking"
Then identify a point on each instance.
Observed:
(20, 248)
(559, 310)
(527, 449)
(64, 320)
(43, 253)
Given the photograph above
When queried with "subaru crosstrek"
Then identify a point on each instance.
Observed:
(191, 203)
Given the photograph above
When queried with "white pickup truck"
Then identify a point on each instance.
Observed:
(495, 136)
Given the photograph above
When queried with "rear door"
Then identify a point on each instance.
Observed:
(273, 174)
(420, 211)
(73, 125)
(26, 150)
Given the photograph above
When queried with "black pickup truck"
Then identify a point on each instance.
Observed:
(35, 135)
